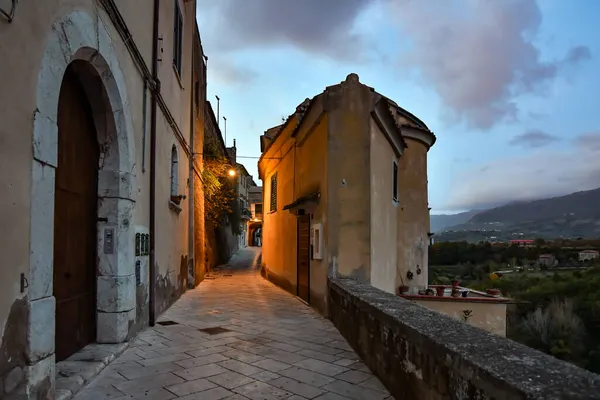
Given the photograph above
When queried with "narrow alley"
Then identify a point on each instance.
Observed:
(237, 336)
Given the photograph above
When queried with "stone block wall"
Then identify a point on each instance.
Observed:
(420, 354)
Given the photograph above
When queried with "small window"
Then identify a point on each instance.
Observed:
(177, 38)
(174, 172)
(395, 183)
(274, 192)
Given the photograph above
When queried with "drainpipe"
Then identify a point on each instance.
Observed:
(153, 112)
(191, 201)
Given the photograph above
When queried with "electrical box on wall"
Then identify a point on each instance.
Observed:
(316, 240)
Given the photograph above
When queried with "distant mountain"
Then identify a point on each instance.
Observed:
(582, 205)
(439, 222)
(573, 215)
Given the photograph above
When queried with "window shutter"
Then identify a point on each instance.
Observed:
(274, 192)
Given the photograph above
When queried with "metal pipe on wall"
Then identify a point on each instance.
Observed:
(191, 205)
(153, 121)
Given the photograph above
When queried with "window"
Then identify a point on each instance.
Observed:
(395, 183)
(274, 192)
(177, 38)
(174, 172)
(258, 210)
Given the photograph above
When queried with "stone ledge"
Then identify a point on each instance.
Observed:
(419, 353)
(81, 368)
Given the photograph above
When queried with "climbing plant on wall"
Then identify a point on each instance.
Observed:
(219, 187)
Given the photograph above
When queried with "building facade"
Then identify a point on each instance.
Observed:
(97, 137)
(587, 255)
(255, 197)
(345, 192)
(244, 183)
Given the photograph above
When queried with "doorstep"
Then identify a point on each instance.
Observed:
(76, 371)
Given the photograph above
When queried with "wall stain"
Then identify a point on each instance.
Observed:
(13, 349)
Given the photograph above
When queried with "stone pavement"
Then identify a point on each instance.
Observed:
(237, 336)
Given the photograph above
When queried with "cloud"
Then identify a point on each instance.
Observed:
(539, 175)
(479, 55)
(228, 73)
(318, 26)
(533, 139)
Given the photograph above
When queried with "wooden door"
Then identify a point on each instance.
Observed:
(303, 254)
(75, 216)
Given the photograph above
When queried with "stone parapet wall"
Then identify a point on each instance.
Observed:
(421, 354)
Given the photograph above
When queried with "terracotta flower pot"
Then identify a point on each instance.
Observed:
(176, 199)
(440, 291)
(455, 283)
(493, 292)
(403, 290)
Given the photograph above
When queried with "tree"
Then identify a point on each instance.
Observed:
(219, 190)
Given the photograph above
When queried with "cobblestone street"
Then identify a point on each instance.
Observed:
(237, 336)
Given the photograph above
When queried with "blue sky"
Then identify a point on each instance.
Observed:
(509, 87)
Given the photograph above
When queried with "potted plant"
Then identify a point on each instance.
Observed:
(440, 291)
(402, 289)
(177, 198)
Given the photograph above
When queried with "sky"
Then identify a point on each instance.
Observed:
(511, 88)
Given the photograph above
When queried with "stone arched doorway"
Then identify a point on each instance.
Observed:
(75, 217)
(80, 50)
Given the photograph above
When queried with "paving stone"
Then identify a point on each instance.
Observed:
(331, 396)
(296, 387)
(98, 393)
(353, 376)
(375, 384)
(217, 393)
(230, 379)
(197, 361)
(203, 371)
(138, 371)
(321, 367)
(306, 376)
(143, 385)
(271, 365)
(208, 351)
(265, 376)
(164, 359)
(344, 362)
(152, 394)
(243, 356)
(351, 391)
(189, 387)
(240, 367)
(319, 356)
(262, 391)
(109, 376)
(276, 348)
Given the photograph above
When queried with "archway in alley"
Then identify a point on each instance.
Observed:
(254, 231)
(75, 215)
(82, 192)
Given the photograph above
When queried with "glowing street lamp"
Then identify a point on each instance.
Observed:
(231, 172)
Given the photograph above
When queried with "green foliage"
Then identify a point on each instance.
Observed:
(541, 297)
(219, 188)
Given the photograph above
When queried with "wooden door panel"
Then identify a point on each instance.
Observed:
(75, 215)
(303, 257)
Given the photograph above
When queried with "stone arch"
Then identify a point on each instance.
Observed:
(83, 41)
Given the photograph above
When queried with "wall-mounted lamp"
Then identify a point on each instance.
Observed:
(231, 172)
